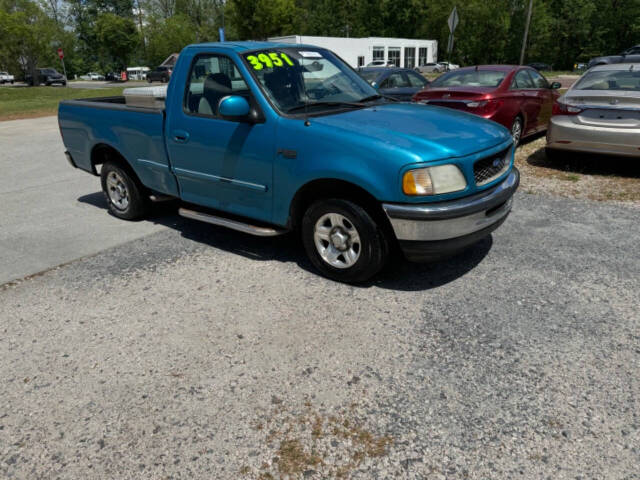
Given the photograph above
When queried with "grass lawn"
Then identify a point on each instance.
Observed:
(29, 102)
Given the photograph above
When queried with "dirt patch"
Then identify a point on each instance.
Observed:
(315, 444)
(594, 177)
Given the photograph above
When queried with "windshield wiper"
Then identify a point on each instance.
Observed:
(376, 97)
(325, 104)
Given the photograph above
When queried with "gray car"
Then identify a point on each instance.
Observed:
(631, 55)
(431, 68)
(600, 113)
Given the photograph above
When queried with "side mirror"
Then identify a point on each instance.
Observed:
(555, 85)
(234, 107)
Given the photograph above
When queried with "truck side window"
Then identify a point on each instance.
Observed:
(211, 78)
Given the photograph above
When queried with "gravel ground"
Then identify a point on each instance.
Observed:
(198, 352)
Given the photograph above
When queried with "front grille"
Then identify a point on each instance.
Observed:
(490, 168)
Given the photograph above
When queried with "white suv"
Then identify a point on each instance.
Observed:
(5, 77)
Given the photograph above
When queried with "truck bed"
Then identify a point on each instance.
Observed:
(137, 133)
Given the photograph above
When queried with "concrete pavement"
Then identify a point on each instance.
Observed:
(51, 213)
(203, 353)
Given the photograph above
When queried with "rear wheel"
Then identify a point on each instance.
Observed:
(123, 192)
(516, 130)
(343, 241)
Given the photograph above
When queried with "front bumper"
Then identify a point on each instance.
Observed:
(565, 134)
(434, 230)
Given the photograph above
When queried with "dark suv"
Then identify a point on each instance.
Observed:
(632, 55)
(160, 74)
(47, 76)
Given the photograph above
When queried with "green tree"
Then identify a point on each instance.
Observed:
(118, 39)
(168, 36)
(29, 37)
(260, 19)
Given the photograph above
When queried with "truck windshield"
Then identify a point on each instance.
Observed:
(610, 80)
(297, 78)
(470, 78)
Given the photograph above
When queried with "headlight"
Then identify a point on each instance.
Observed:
(433, 180)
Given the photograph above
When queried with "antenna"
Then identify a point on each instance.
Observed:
(306, 98)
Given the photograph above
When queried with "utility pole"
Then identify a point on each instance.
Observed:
(526, 32)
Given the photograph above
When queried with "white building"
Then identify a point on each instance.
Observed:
(358, 52)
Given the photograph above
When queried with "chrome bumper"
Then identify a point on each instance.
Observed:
(435, 222)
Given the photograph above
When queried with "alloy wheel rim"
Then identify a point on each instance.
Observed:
(117, 191)
(516, 131)
(337, 240)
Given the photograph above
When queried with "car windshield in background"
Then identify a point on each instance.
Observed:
(610, 80)
(294, 78)
(470, 78)
(370, 76)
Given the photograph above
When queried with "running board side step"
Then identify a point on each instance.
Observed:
(232, 224)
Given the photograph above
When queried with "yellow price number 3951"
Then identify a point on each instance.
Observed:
(269, 60)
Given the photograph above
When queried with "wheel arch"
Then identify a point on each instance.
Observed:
(103, 152)
(322, 188)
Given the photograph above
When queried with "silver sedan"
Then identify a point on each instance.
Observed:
(600, 113)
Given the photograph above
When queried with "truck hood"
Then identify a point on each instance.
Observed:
(425, 132)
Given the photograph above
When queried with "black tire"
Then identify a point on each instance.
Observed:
(373, 246)
(149, 80)
(137, 204)
(517, 121)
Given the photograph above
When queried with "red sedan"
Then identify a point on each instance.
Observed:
(518, 97)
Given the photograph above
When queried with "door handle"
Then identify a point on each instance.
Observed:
(180, 136)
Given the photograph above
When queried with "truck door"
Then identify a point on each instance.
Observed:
(220, 163)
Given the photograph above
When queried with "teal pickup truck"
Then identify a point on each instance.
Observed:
(271, 138)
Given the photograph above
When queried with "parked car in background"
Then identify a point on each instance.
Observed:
(600, 113)
(518, 97)
(6, 77)
(399, 83)
(46, 76)
(160, 74)
(631, 55)
(112, 77)
(380, 63)
(579, 67)
(269, 138)
(92, 76)
(431, 68)
(449, 66)
(541, 67)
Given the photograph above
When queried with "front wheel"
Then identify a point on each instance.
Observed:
(123, 192)
(343, 241)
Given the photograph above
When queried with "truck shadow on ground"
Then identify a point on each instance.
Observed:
(399, 274)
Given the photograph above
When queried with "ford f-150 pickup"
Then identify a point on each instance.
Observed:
(269, 138)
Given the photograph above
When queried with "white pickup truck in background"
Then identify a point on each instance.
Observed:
(6, 77)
